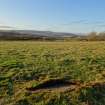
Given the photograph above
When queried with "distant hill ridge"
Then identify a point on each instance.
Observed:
(31, 34)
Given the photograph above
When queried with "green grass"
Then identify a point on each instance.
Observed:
(25, 64)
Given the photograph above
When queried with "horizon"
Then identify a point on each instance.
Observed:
(69, 16)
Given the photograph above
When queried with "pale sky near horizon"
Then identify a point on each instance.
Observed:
(53, 15)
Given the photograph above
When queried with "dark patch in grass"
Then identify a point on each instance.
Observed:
(23, 102)
(94, 94)
(52, 83)
(1, 97)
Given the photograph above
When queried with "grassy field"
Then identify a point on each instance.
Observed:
(26, 65)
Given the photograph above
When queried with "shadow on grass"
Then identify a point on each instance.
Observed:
(51, 84)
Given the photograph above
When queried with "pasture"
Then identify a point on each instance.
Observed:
(52, 73)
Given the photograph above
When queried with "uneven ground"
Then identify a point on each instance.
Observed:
(52, 73)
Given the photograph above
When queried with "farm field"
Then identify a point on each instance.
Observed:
(52, 73)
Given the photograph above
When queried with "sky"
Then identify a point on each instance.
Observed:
(77, 16)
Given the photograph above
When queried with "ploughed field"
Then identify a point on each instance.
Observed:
(52, 73)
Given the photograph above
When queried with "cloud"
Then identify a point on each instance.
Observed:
(6, 27)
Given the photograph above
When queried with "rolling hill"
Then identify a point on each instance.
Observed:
(31, 34)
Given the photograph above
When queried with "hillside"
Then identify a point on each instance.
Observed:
(30, 34)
